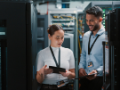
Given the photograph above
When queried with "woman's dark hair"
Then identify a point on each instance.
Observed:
(95, 10)
(53, 28)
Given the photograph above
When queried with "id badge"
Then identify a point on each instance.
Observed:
(90, 64)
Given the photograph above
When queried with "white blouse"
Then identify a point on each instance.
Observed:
(44, 57)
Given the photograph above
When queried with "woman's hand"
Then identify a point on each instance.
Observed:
(47, 70)
(69, 73)
(44, 70)
(65, 74)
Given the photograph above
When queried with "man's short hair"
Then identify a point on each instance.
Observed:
(95, 10)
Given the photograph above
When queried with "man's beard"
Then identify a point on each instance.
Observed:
(96, 27)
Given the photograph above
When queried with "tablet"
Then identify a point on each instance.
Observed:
(88, 75)
(56, 69)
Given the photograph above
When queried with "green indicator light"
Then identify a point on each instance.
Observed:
(103, 10)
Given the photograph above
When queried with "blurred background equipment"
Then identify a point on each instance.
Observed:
(111, 51)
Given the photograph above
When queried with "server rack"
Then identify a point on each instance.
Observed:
(40, 37)
(3, 55)
(42, 26)
(17, 22)
(112, 79)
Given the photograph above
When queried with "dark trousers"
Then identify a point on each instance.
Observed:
(48, 87)
(95, 84)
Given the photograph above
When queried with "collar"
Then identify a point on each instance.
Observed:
(55, 48)
(101, 31)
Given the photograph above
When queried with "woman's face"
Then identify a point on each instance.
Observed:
(57, 38)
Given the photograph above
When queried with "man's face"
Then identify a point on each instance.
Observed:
(92, 22)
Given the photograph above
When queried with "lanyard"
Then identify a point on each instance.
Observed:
(89, 49)
(57, 64)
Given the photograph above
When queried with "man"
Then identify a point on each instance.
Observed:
(92, 55)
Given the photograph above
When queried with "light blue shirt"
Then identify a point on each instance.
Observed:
(96, 54)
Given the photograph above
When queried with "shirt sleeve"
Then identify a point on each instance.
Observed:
(72, 61)
(39, 60)
(100, 68)
(82, 62)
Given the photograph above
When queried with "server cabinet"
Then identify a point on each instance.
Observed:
(112, 79)
(40, 39)
(42, 35)
(16, 26)
(3, 55)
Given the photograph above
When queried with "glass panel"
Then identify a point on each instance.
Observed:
(40, 45)
(40, 22)
(40, 34)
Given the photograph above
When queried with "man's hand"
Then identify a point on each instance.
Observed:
(93, 76)
(82, 72)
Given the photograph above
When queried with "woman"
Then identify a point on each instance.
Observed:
(63, 56)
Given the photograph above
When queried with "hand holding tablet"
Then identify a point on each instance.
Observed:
(56, 69)
(88, 75)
